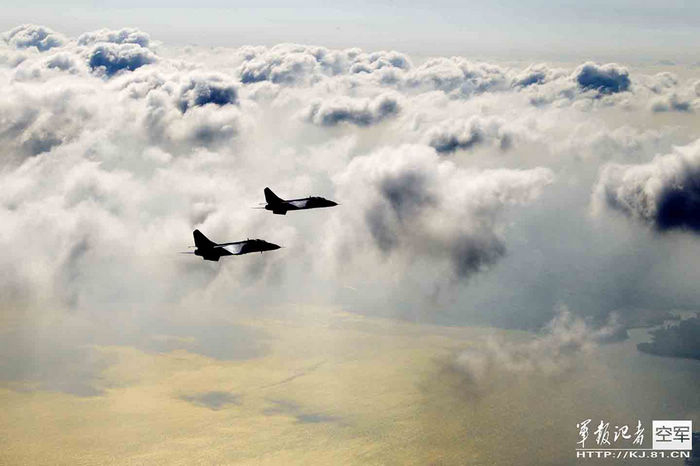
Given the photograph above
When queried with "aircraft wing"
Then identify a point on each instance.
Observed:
(300, 204)
(234, 248)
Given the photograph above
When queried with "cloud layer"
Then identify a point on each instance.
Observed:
(559, 349)
(465, 187)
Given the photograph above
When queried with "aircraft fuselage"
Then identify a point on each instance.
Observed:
(281, 206)
(210, 251)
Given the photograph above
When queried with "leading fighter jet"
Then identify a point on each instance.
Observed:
(280, 206)
(211, 251)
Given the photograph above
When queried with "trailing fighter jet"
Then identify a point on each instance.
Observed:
(281, 206)
(211, 251)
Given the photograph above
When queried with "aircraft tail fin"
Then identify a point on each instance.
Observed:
(271, 197)
(202, 241)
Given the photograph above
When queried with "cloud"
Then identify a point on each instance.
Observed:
(104, 177)
(464, 135)
(537, 75)
(180, 111)
(203, 90)
(660, 83)
(42, 117)
(672, 103)
(459, 76)
(48, 65)
(121, 36)
(62, 61)
(109, 58)
(199, 126)
(368, 63)
(291, 64)
(667, 93)
(359, 112)
(559, 349)
(285, 64)
(606, 79)
(664, 193)
(113, 155)
(411, 201)
(31, 35)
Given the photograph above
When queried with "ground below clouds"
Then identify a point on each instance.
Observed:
(338, 388)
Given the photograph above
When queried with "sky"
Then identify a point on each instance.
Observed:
(515, 245)
(641, 31)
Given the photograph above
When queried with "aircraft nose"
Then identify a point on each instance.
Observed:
(274, 246)
(331, 203)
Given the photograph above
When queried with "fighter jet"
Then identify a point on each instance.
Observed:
(211, 251)
(280, 206)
